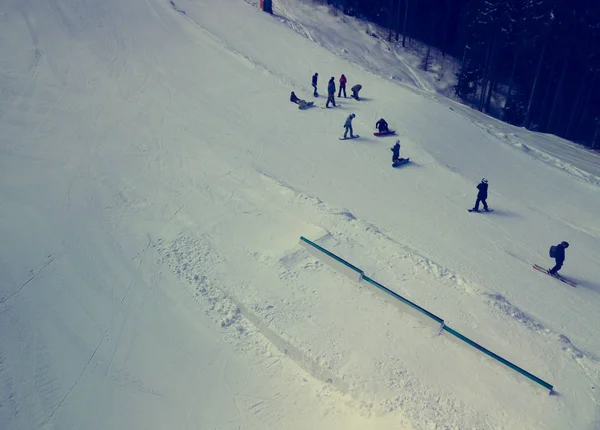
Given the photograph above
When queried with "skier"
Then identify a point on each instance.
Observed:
(348, 125)
(382, 126)
(343, 81)
(331, 92)
(314, 84)
(396, 152)
(355, 89)
(482, 196)
(559, 257)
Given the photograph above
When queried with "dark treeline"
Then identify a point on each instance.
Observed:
(532, 63)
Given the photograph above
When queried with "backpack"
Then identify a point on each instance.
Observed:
(553, 251)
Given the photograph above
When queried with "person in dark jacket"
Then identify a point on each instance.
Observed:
(295, 99)
(482, 195)
(559, 257)
(355, 89)
(315, 78)
(395, 152)
(330, 92)
(382, 126)
(343, 81)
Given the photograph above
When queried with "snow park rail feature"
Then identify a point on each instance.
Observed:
(424, 315)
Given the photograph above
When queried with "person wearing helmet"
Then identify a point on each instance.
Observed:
(348, 125)
(481, 196)
(559, 257)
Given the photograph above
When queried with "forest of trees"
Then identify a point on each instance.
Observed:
(539, 58)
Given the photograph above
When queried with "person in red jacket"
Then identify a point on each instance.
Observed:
(343, 81)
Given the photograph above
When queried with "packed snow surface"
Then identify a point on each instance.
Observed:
(155, 180)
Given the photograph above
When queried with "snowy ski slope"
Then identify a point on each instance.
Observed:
(154, 183)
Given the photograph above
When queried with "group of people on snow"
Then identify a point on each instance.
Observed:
(557, 252)
(331, 89)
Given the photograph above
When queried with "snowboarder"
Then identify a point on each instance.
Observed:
(348, 126)
(315, 78)
(331, 92)
(481, 196)
(396, 152)
(382, 126)
(559, 257)
(302, 103)
(355, 89)
(295, 99)
(343, 81)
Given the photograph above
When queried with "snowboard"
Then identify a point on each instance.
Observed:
(400, 162)
(557, 276)
(347, 138)
(482, 210)
(337, 105)
(355, 98)
(385, 133)
(306, 105)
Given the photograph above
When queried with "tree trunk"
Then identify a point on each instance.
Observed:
(398, 19)
(511, 80)
(576, 104)
(489, 96)
(541, 116)
(389, 13)
(405, 22)
(535, 82)
(426, 61)
(489, 55)
(561, 80)
(596, 139)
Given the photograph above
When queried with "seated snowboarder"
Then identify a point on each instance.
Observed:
(297, 100)
(396, 152)
(355, 89)
(482, 196)
(348, 125)
(382, 126)
(559, 257)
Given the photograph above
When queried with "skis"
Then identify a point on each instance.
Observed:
(400, 162)
(473, 210)
(557, 276)
(353, 137)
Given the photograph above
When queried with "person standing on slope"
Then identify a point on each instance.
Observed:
(559, 257)
(348, 125)
(382, 126)
(482, 196)
(331, 92)
(315, 78)
(395, 152)
(355, 89)
(343, 81)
